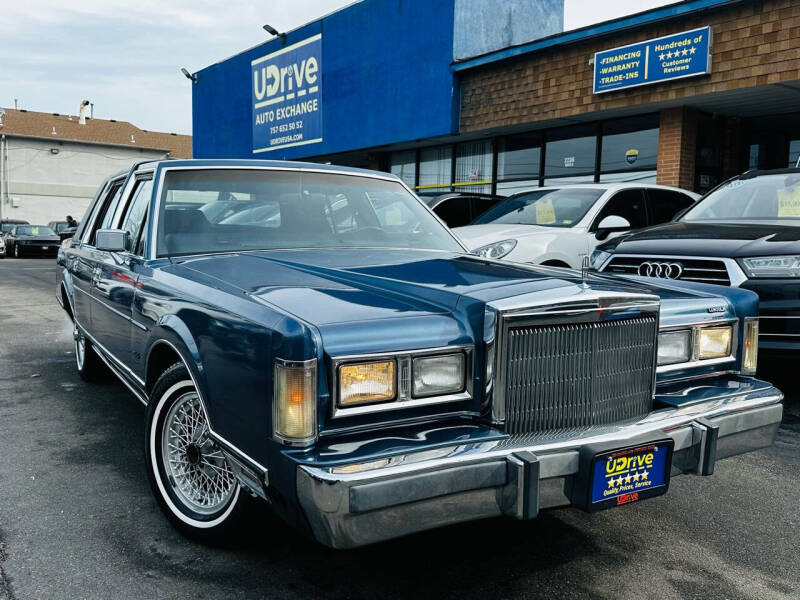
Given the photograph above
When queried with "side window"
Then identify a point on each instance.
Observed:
(106, 208)
(135, 213)
(628, 204)
(663, 205)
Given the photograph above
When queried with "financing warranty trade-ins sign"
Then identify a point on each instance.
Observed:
(670, 57)
(287, 96)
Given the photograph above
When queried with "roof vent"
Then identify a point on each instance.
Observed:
(56, 115)
(54, 130)
(113, 120)
(133, 141)
(82, 112)
(23, 110)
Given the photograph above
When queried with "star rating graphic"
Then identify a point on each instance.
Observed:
(636, 477)
(644, 475)
(677, 53)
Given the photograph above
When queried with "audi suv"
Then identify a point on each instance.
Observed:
(744, 233)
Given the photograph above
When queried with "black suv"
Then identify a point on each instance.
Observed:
(744, 233)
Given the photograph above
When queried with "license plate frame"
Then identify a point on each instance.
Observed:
(629, 474)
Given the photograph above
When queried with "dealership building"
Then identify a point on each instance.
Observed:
(503, 95)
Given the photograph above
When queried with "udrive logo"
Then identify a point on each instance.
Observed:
(285, 75)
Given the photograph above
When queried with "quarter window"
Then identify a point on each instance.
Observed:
(663, 205)
(137, 209)
(106, 207)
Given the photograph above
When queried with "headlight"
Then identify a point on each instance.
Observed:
(772, 266)
(496, 250)
(597, 259)
(714, 342)
(367, 383)
(750, 352)
(674, 347)
(295, 402)
(438, 375)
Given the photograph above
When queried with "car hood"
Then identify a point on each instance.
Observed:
(732, 240)
(341, 287)
(475, 236)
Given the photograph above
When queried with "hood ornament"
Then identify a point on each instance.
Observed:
(585, 271)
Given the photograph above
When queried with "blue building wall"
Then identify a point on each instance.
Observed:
(386, 78)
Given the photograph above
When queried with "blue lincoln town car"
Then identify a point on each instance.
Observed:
(315, 337)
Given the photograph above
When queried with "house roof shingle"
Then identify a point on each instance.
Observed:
(98, 131)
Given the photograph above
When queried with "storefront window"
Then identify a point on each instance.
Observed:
(474, 167)
(571, 157)
(404, 165)
(518, 160)
(434, 168)
(633, 151)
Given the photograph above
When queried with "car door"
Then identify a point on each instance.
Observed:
(82, 257)
(663, 205)
(114, 283)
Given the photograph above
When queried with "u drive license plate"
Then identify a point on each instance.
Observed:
(630, 474)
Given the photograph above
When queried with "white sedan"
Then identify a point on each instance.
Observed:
(558, 226)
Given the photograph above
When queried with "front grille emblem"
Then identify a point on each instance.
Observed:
(661, 270)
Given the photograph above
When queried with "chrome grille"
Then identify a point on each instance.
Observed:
(568, 376)
(691, 269)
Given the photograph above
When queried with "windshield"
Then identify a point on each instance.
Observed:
(34, 230)
(226, 210)
(768, 197)
(562, 207)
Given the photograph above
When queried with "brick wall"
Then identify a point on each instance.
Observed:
(755, 43)
(677, 143)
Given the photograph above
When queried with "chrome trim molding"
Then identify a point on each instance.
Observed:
(403, 374)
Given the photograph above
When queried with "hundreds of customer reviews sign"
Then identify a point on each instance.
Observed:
(670, 57)
(287, 93)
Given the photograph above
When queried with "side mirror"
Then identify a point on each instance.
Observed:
(110, 240)
(612, 223)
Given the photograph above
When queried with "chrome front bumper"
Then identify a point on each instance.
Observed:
(365, 502)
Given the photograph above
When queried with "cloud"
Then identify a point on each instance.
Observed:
(125, 56)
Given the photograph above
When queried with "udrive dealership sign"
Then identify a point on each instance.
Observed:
(676, 56)
(287, 96)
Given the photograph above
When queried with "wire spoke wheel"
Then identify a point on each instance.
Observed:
(196, 468)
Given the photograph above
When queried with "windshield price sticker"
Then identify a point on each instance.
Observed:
(789, 204)
(545, 212)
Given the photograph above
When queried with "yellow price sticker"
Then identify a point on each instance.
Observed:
(35, 231)
(789, 204)
(545, 213)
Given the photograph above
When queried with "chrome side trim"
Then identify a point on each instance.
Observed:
(735, 272)
(120, 364)
(114, 310)
(119, 375)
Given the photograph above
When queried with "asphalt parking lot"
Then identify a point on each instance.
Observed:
(77, 519)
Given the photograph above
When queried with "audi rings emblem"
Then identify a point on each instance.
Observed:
(662, 270)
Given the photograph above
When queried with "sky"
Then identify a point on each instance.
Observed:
(125, 55)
